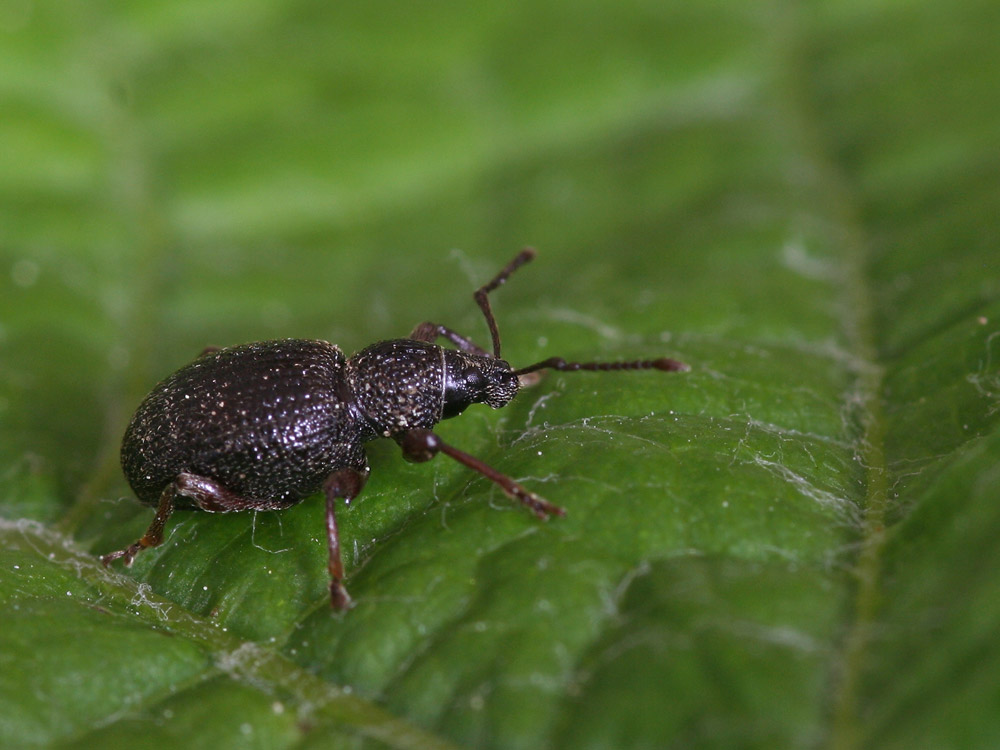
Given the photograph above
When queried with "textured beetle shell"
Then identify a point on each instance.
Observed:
(269, 421)
(399, 384)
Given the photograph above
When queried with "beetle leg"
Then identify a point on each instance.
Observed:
(346, 483)
(482, 294)
(206, 493)
(422, 445)
(153, 535)
(209, 495)
(429, 331)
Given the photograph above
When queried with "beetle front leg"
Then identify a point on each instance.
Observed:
(429, 332)
(344, 483)
(422, 445)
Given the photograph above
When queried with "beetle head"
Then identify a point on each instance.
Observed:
(476, 379)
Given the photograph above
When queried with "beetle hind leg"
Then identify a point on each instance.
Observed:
(206, 493)
(153, 535)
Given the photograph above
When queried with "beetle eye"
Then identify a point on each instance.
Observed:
(474, 378)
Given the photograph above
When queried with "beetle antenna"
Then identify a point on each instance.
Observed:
(482, 294)
(664, 364)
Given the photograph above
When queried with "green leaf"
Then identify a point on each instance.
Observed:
(791, 545)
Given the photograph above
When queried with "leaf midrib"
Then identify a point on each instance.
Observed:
(804, 123)
(865, 400)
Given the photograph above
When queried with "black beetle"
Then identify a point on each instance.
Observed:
(262, 426)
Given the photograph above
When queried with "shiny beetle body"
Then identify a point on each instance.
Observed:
(262, 426)
(270, 421)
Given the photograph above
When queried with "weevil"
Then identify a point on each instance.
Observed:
(262, 426)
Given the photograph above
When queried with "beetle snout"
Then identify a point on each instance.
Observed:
(501, 386)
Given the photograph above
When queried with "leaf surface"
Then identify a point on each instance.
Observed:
(791, 545)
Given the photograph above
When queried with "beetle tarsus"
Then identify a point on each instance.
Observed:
(340, 600)
(541, 507)
(128, 554)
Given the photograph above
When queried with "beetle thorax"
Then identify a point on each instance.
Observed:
(404, 384)
(398, 385)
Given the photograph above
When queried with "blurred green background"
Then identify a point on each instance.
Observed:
(790, 546)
